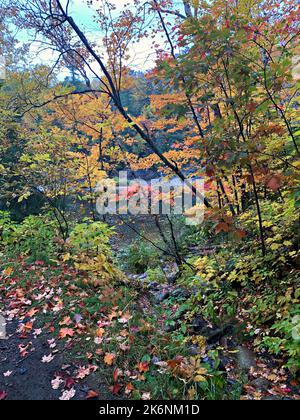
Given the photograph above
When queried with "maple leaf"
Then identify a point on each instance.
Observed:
(222, 227)
(129, 388)
(66, 321)
(68, 395)
(28, 326)
(52, 343)
(32, 312)
(8, 272)
(66, 332)
(7, 374)
(3, 395)
(117, 374)
(143, 367)
(109, 359)
(173, 364)
(56, 383)
(113, 315)
(125, 318)
(69, 383)
(100, 332)
(146, 396)
(37, 332)
(83, 372)
(116, 389)
(92, 395)
(48, 359)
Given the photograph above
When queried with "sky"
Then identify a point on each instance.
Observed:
(142, 54)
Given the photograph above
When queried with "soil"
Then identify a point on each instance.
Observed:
(31, 379)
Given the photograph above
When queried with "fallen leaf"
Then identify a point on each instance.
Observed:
(143, 367)
(3, 395)
(91, 395)
(116, 389)
(125, 318)
(66, 332)
(129, 388)
(69, 383)
(68, 395)
(32, 312)
(146, 396)
(66, 321)
(100, 332)
(48, 359)
(83, 372)
(8, 272)
(117, 374)
(109, 359)
(56, 383)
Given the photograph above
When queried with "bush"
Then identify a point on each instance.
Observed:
(91, 238)
(156, 275)
(141, 257)
(90, 250)
(33, 238)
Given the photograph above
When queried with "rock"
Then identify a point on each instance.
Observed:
(172, 273)
(246, 359)
(181, 293)
(172, 278)
(261, 384)
(194, 350)
(199, 324)
(153, 285)
(143, 277)
(172, 328)
(161, 296)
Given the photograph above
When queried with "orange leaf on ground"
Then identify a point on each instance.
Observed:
(143, 367)
(66, 332)
(100, 332)
(91, 395)
(109, 359)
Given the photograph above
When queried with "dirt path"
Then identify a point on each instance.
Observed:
(28, 378)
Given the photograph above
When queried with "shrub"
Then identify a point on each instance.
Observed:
(156, 275)
(89, 248)
(33, 238)
(91, 238)
(140, 257)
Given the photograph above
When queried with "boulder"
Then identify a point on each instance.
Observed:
(161, 296)
(246, 359)
(261, 384)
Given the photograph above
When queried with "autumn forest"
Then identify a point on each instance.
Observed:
(149, 200)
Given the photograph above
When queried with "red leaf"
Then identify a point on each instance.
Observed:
(3, 395)
(116, 389)
(66, 332)
(117, 373)
(69, 383)
(92, 395)
(143, 367)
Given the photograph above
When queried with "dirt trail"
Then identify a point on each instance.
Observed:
(28, 378)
